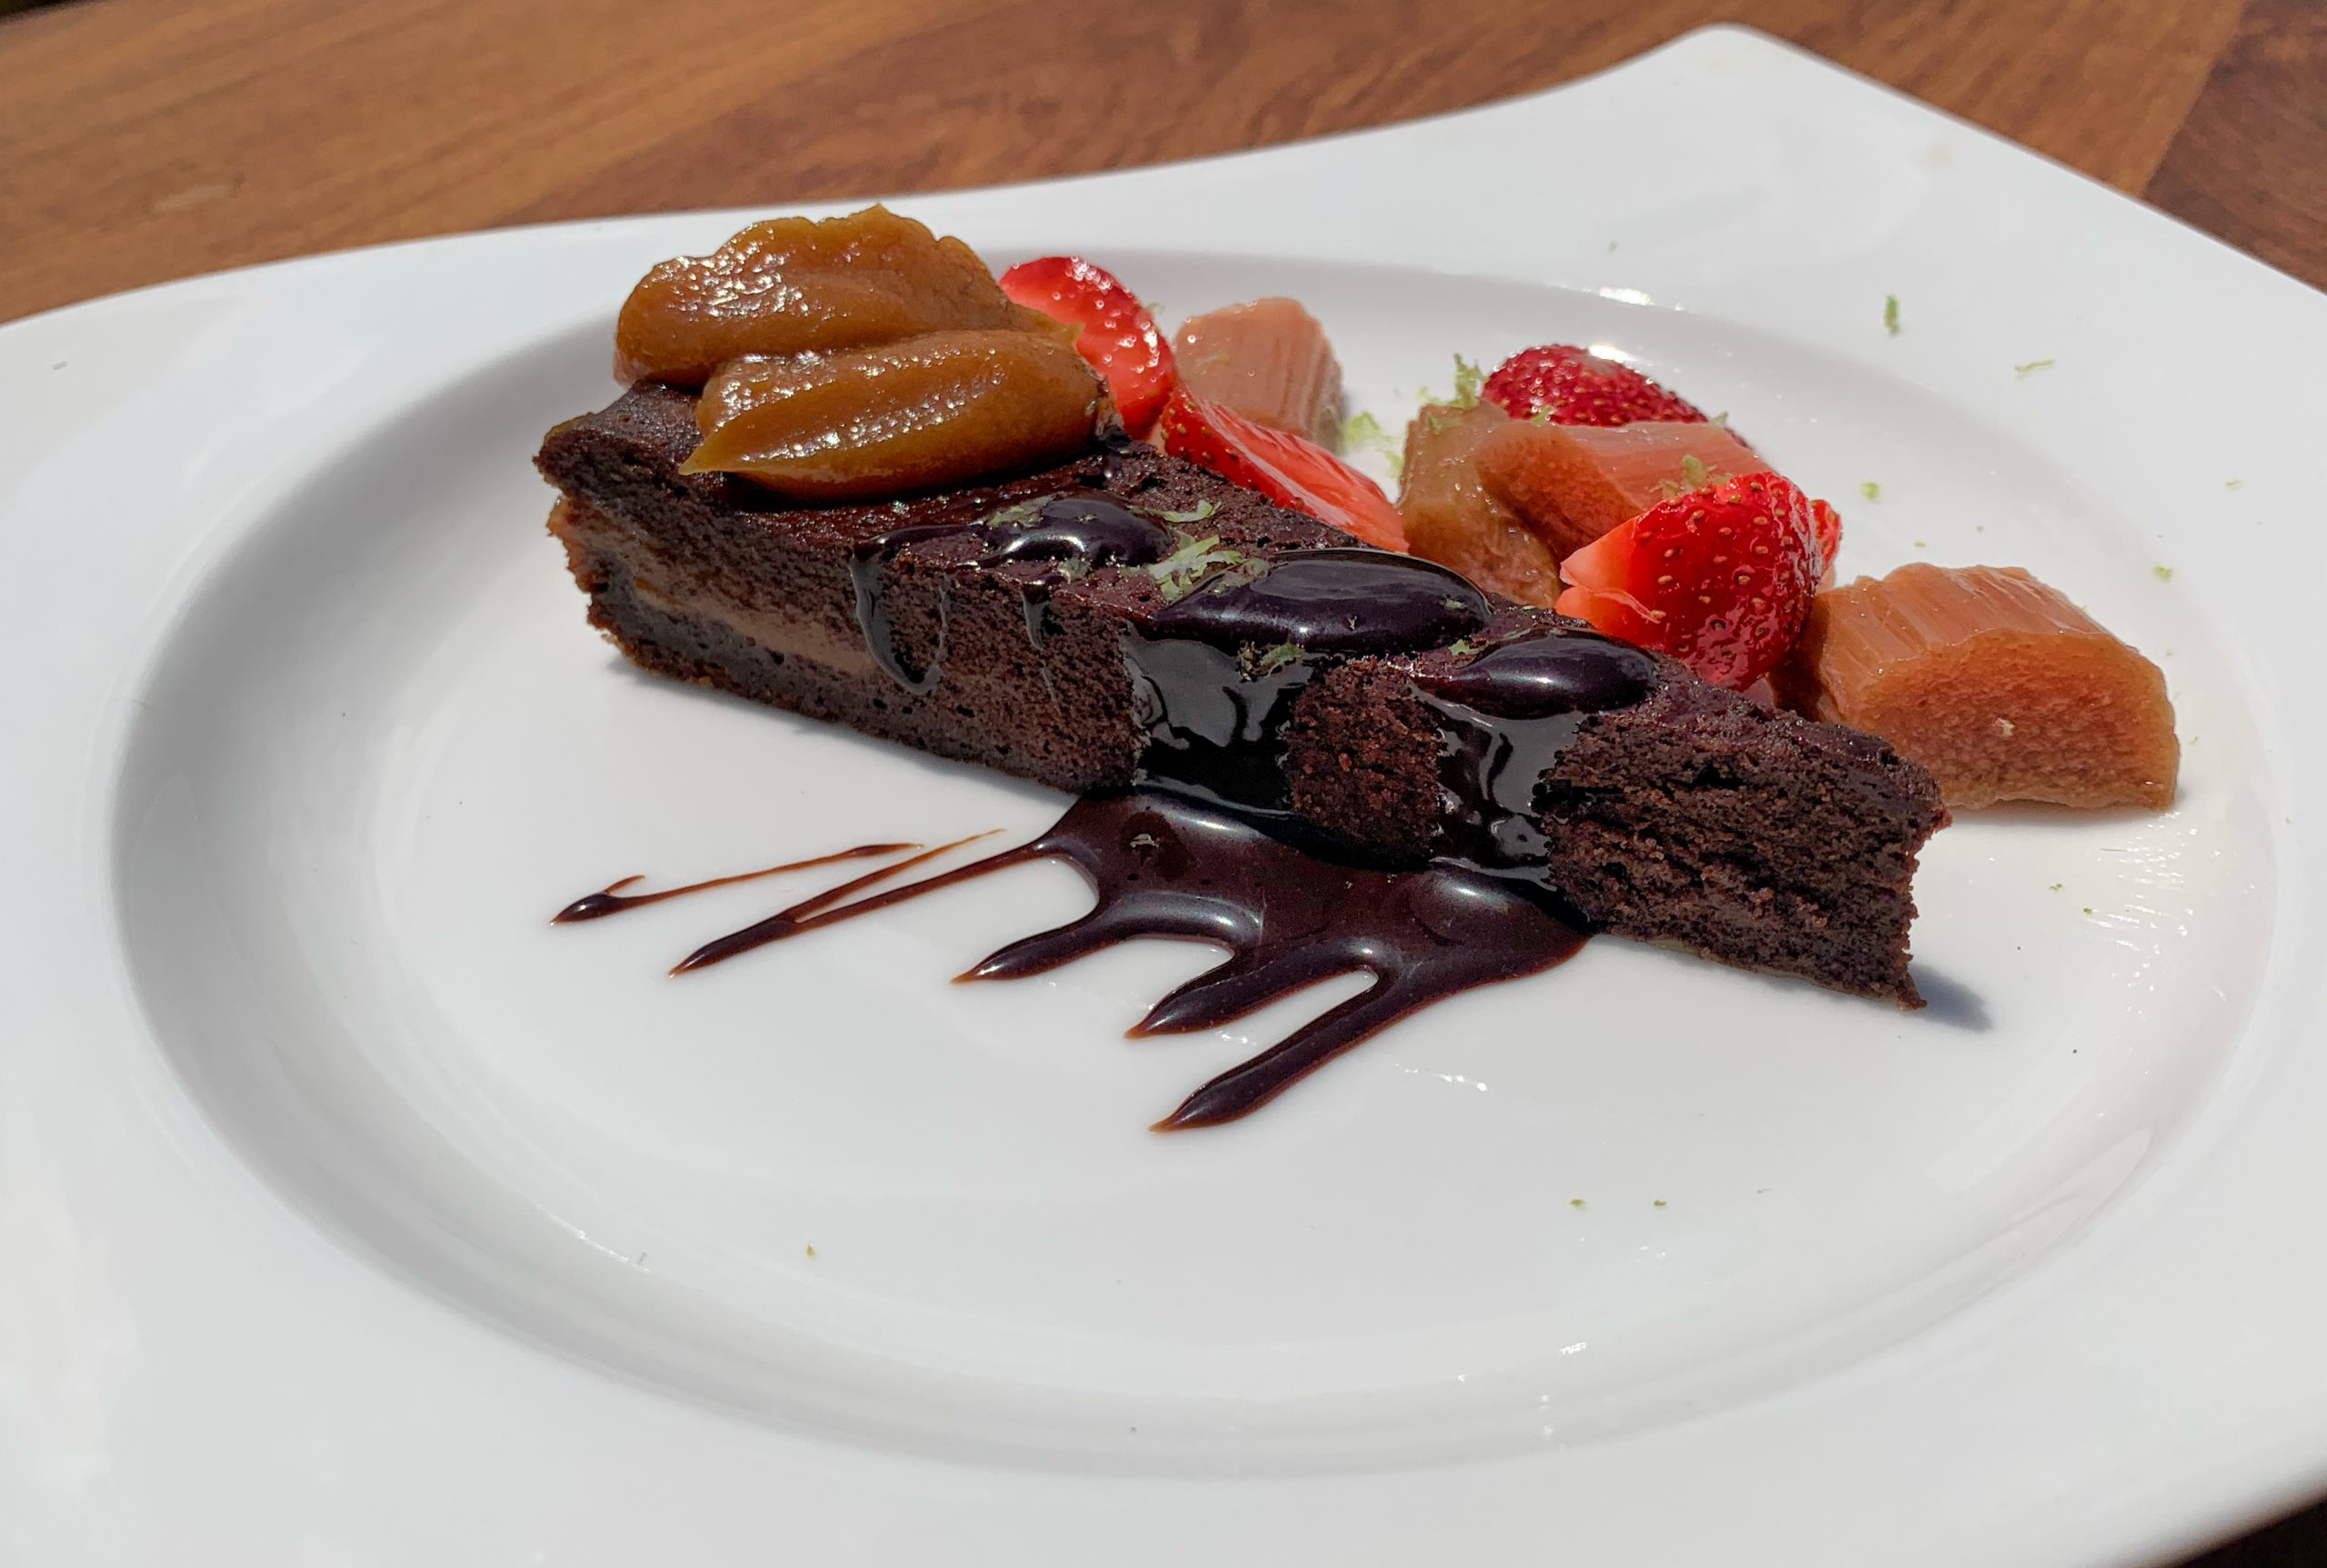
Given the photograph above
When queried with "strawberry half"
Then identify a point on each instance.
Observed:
(1118, 338)
(1283, 467)
(1721, 577)
(1568, 385)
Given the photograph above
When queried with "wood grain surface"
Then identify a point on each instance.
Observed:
(142, 140)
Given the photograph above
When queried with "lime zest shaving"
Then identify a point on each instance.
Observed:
(1891, 313)
(1177, 575)
(1205, 509)
(1870, 489)
(2032, 367)
(1268, 661)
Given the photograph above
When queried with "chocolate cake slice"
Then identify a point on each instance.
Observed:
(1129, 618)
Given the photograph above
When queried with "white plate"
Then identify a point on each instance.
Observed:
(350, 1214)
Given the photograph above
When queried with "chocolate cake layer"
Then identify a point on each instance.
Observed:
(1087, 627)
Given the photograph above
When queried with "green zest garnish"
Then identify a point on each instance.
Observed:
(1268, 661)
(2234, 484)
(1575, 1203)
(1467, 379)
(1721, 419)
(2162, 572)
(1891, 313)
(1015, 514)
(1177, 574)
(1463, 647)
(2032, 365)
(1203, 510)
(1692, 471)
(1870, 489)
(1362, 432)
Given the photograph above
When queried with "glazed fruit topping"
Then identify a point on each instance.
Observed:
(1284, 467)
(1569, 385)
(798, 285)
(1719, 577)
(934, 410)
(1118, 336)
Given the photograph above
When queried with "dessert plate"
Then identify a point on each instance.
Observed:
(351, 1213)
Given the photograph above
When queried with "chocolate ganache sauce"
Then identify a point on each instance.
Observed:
(1215, 674)
(1165, 865)
(1072, 533)
(1207, 848)
(1505, 720)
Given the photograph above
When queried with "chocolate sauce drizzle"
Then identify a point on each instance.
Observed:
(612, 899)
(1164, 865)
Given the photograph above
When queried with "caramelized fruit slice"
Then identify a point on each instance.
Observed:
(1268, 361)
(795, 285)
(932, 411)
(1453, 519)
(1573, 483)
(1992, 680)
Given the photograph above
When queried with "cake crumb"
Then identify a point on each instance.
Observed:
(2004, 726)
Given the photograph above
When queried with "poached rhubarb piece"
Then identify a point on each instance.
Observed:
(1454, 519)
(1269, 361)
(1995, 682)
(1573, 483)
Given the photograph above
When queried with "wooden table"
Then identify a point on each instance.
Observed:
(142, 140)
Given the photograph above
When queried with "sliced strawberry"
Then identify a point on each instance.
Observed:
(1829, 525)
(1721, 577)
(1119, 339)
(1570, 386)
(1283, 467)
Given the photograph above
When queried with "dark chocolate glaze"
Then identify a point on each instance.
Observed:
(1164, 865)
(1073, 532)
(868, 564)
(1505, 720)
(1355, 601)
(1215, 674)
